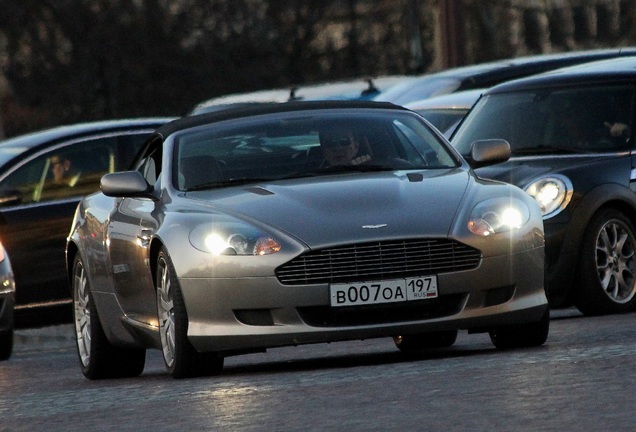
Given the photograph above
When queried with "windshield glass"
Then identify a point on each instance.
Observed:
(419, 89)
(552, 121)
(303, 144)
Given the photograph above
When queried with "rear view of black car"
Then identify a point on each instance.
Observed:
(571, 136)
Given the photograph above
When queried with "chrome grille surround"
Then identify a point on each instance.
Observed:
(379, 260)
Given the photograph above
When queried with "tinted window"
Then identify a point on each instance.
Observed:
(305, 144)
(586, 119)
(68, 171)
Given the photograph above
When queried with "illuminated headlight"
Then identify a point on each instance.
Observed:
(498, 215)
(232, 238)
(552, 193)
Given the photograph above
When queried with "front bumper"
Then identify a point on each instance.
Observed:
(227, 314)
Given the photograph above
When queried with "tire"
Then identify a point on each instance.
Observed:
(606, 277)
(6, 344)
(523, 335)
(98, 358)
(422, 342)
(182, 360)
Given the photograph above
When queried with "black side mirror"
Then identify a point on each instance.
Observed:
(10, 197)
(489, 152)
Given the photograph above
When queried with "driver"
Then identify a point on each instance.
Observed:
(341, 147)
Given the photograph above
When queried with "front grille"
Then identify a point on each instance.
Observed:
(379, 260)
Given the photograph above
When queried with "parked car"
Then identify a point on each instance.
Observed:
(445, 112)
(7, 301)
(36, 209)
(486, 75)
(571, 135)
(357, 89)
(300, 223)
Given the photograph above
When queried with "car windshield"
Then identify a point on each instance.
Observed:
(552, 121)
(305, 144)
(417, 89)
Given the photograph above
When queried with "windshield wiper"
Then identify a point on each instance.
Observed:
(354, 168)
(543, 149)
(224, 183)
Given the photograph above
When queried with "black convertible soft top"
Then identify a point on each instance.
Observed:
(248, 111)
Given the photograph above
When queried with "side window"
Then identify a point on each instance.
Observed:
(66, 172)
(151, 165)
(23, 186)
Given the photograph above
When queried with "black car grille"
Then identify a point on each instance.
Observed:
(379, 260)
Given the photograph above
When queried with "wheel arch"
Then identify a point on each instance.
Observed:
(153, 255)
(71, 251)
(603, 197)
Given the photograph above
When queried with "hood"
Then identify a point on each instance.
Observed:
(350, 207)
(521, 171)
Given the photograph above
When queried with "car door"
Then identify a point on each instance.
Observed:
(36, 211)
(132, 225)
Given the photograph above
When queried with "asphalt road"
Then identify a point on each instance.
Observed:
(583, 379)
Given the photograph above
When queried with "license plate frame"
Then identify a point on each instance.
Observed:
(384, 291)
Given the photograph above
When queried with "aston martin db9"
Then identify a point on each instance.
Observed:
(307, 222)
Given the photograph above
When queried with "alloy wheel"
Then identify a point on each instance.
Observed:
(82, 313)
(616, 261)
(165, 308)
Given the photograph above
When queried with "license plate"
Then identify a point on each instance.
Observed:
(388, 291)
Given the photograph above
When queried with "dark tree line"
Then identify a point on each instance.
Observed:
(64, 61)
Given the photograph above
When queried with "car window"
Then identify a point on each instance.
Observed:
(581, 119)
(67, 171)
(150, 164)
(300, 145)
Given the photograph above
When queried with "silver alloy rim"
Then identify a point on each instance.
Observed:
(615, 262)
(81, 305)
(165, 308)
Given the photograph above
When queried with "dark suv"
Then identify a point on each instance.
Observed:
(571, 136)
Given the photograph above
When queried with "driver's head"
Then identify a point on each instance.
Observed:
(339, 145)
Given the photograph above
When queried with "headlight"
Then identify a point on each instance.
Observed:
(232, 238)
(498, 215)
(552, 193)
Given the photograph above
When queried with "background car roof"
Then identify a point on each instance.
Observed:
(615, 70)
(51, 135)
(253, 110)
(356, 89)
(493, 73)
(461, 99)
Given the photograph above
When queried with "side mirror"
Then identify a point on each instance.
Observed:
(10, 197)
(125, 184)
(489, 152)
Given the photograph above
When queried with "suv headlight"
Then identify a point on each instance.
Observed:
(553, 193)
(498, 215)
(232, 238)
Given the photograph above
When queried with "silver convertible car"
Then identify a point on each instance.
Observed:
(300, 223)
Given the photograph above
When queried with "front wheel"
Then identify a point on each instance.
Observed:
(181, 358)
(98, 357)
(607, 265)
(522, 335)
(421, 342)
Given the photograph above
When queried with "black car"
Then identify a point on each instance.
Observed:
(36, 209)
(7, 300)
(572, 141)
(486, 75)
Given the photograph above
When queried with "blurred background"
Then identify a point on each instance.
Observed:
(67, 61)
